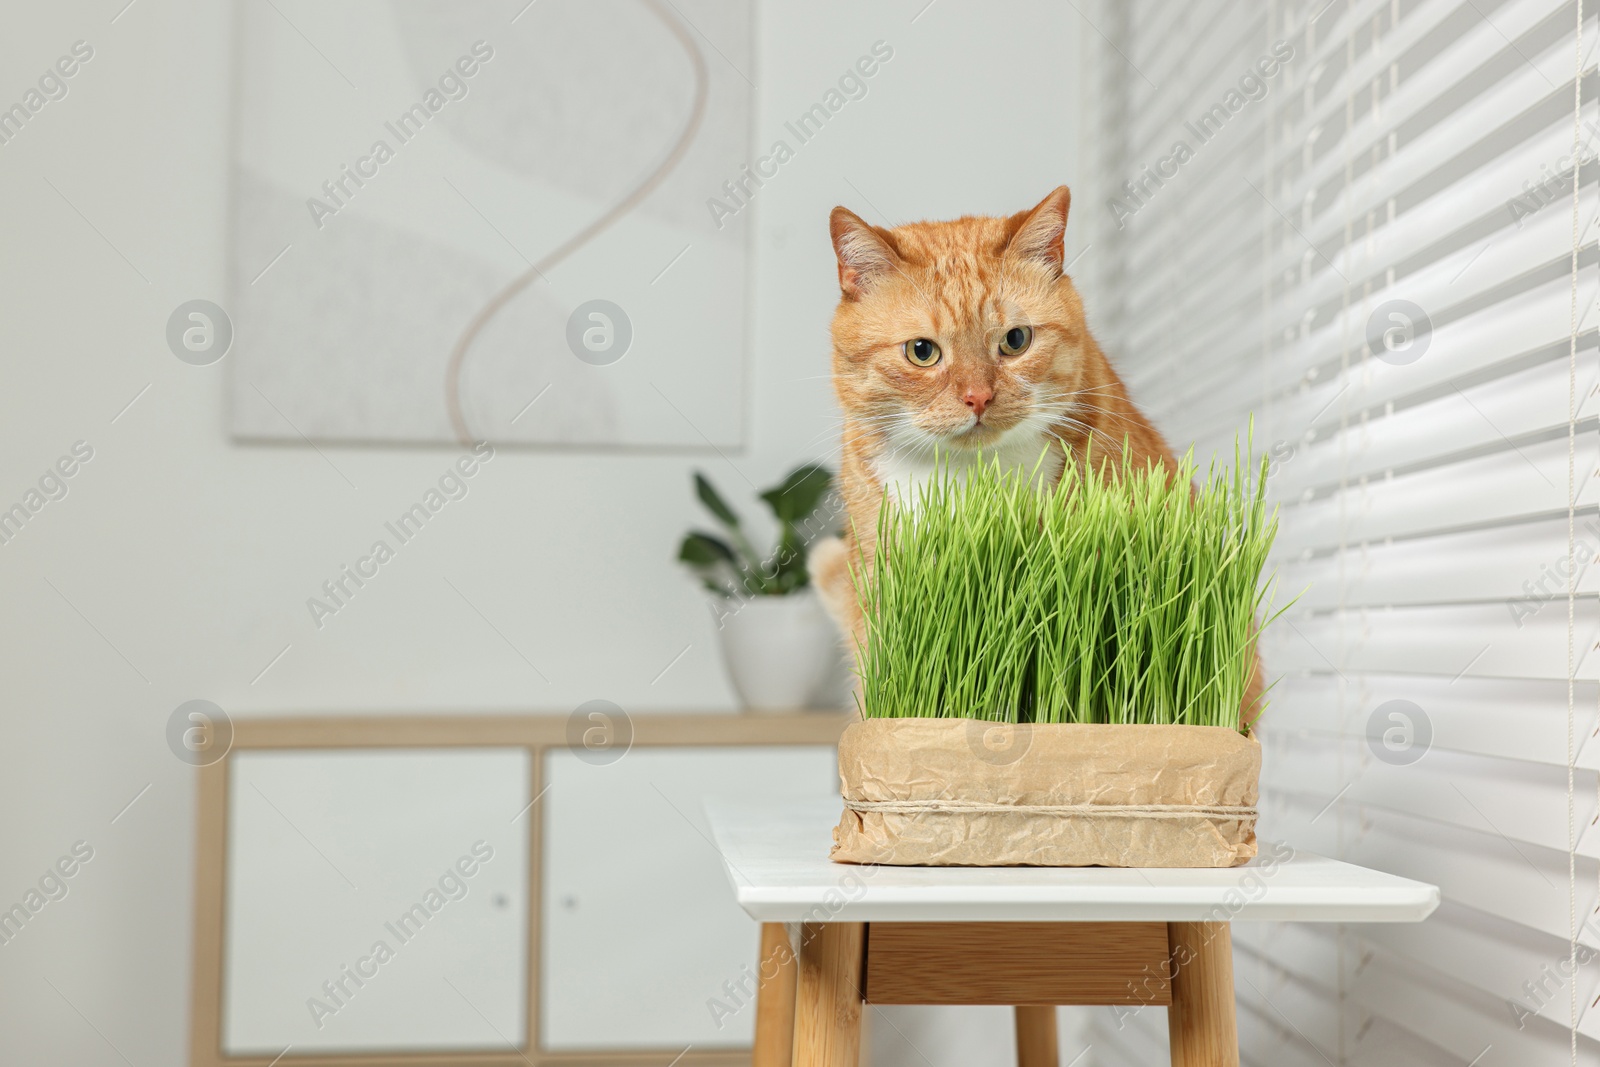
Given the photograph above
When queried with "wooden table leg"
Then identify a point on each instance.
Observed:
(775, 976)
(1204, 1030)
(1036, 1037)
(827, 1024)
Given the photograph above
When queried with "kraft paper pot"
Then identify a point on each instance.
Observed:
(965, 792)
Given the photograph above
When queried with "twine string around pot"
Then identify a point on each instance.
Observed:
(1143, 811)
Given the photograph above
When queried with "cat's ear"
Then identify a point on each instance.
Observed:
(864, 253)
(1039, 233)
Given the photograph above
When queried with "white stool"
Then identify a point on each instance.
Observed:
(1033, 937)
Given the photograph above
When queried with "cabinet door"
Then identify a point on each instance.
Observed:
(642, 943)
(377, 900)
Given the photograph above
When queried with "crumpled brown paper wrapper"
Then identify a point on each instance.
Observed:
(966, 760)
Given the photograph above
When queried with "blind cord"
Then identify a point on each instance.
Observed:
(1572, 552)
(1346, 372)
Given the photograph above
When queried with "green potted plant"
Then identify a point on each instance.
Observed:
(778, 645)
(1061, 678)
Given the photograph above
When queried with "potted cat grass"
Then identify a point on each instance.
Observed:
(1061, 678)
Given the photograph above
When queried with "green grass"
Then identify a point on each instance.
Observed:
(1122, 599)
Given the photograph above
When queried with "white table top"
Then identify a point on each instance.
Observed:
(777, 859)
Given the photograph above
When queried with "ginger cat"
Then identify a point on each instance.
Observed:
(963, 338)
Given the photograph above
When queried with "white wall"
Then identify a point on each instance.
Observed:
(179, 564)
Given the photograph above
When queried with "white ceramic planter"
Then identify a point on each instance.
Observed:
(781, 652)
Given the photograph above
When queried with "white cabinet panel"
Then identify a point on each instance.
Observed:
(376, 900)
(643, 945)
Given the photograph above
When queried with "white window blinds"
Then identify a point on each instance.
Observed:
(1370, 249)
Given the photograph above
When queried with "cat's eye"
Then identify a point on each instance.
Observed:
(1016, 340)
(922, 352)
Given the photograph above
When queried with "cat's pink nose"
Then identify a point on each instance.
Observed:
(978, 399)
